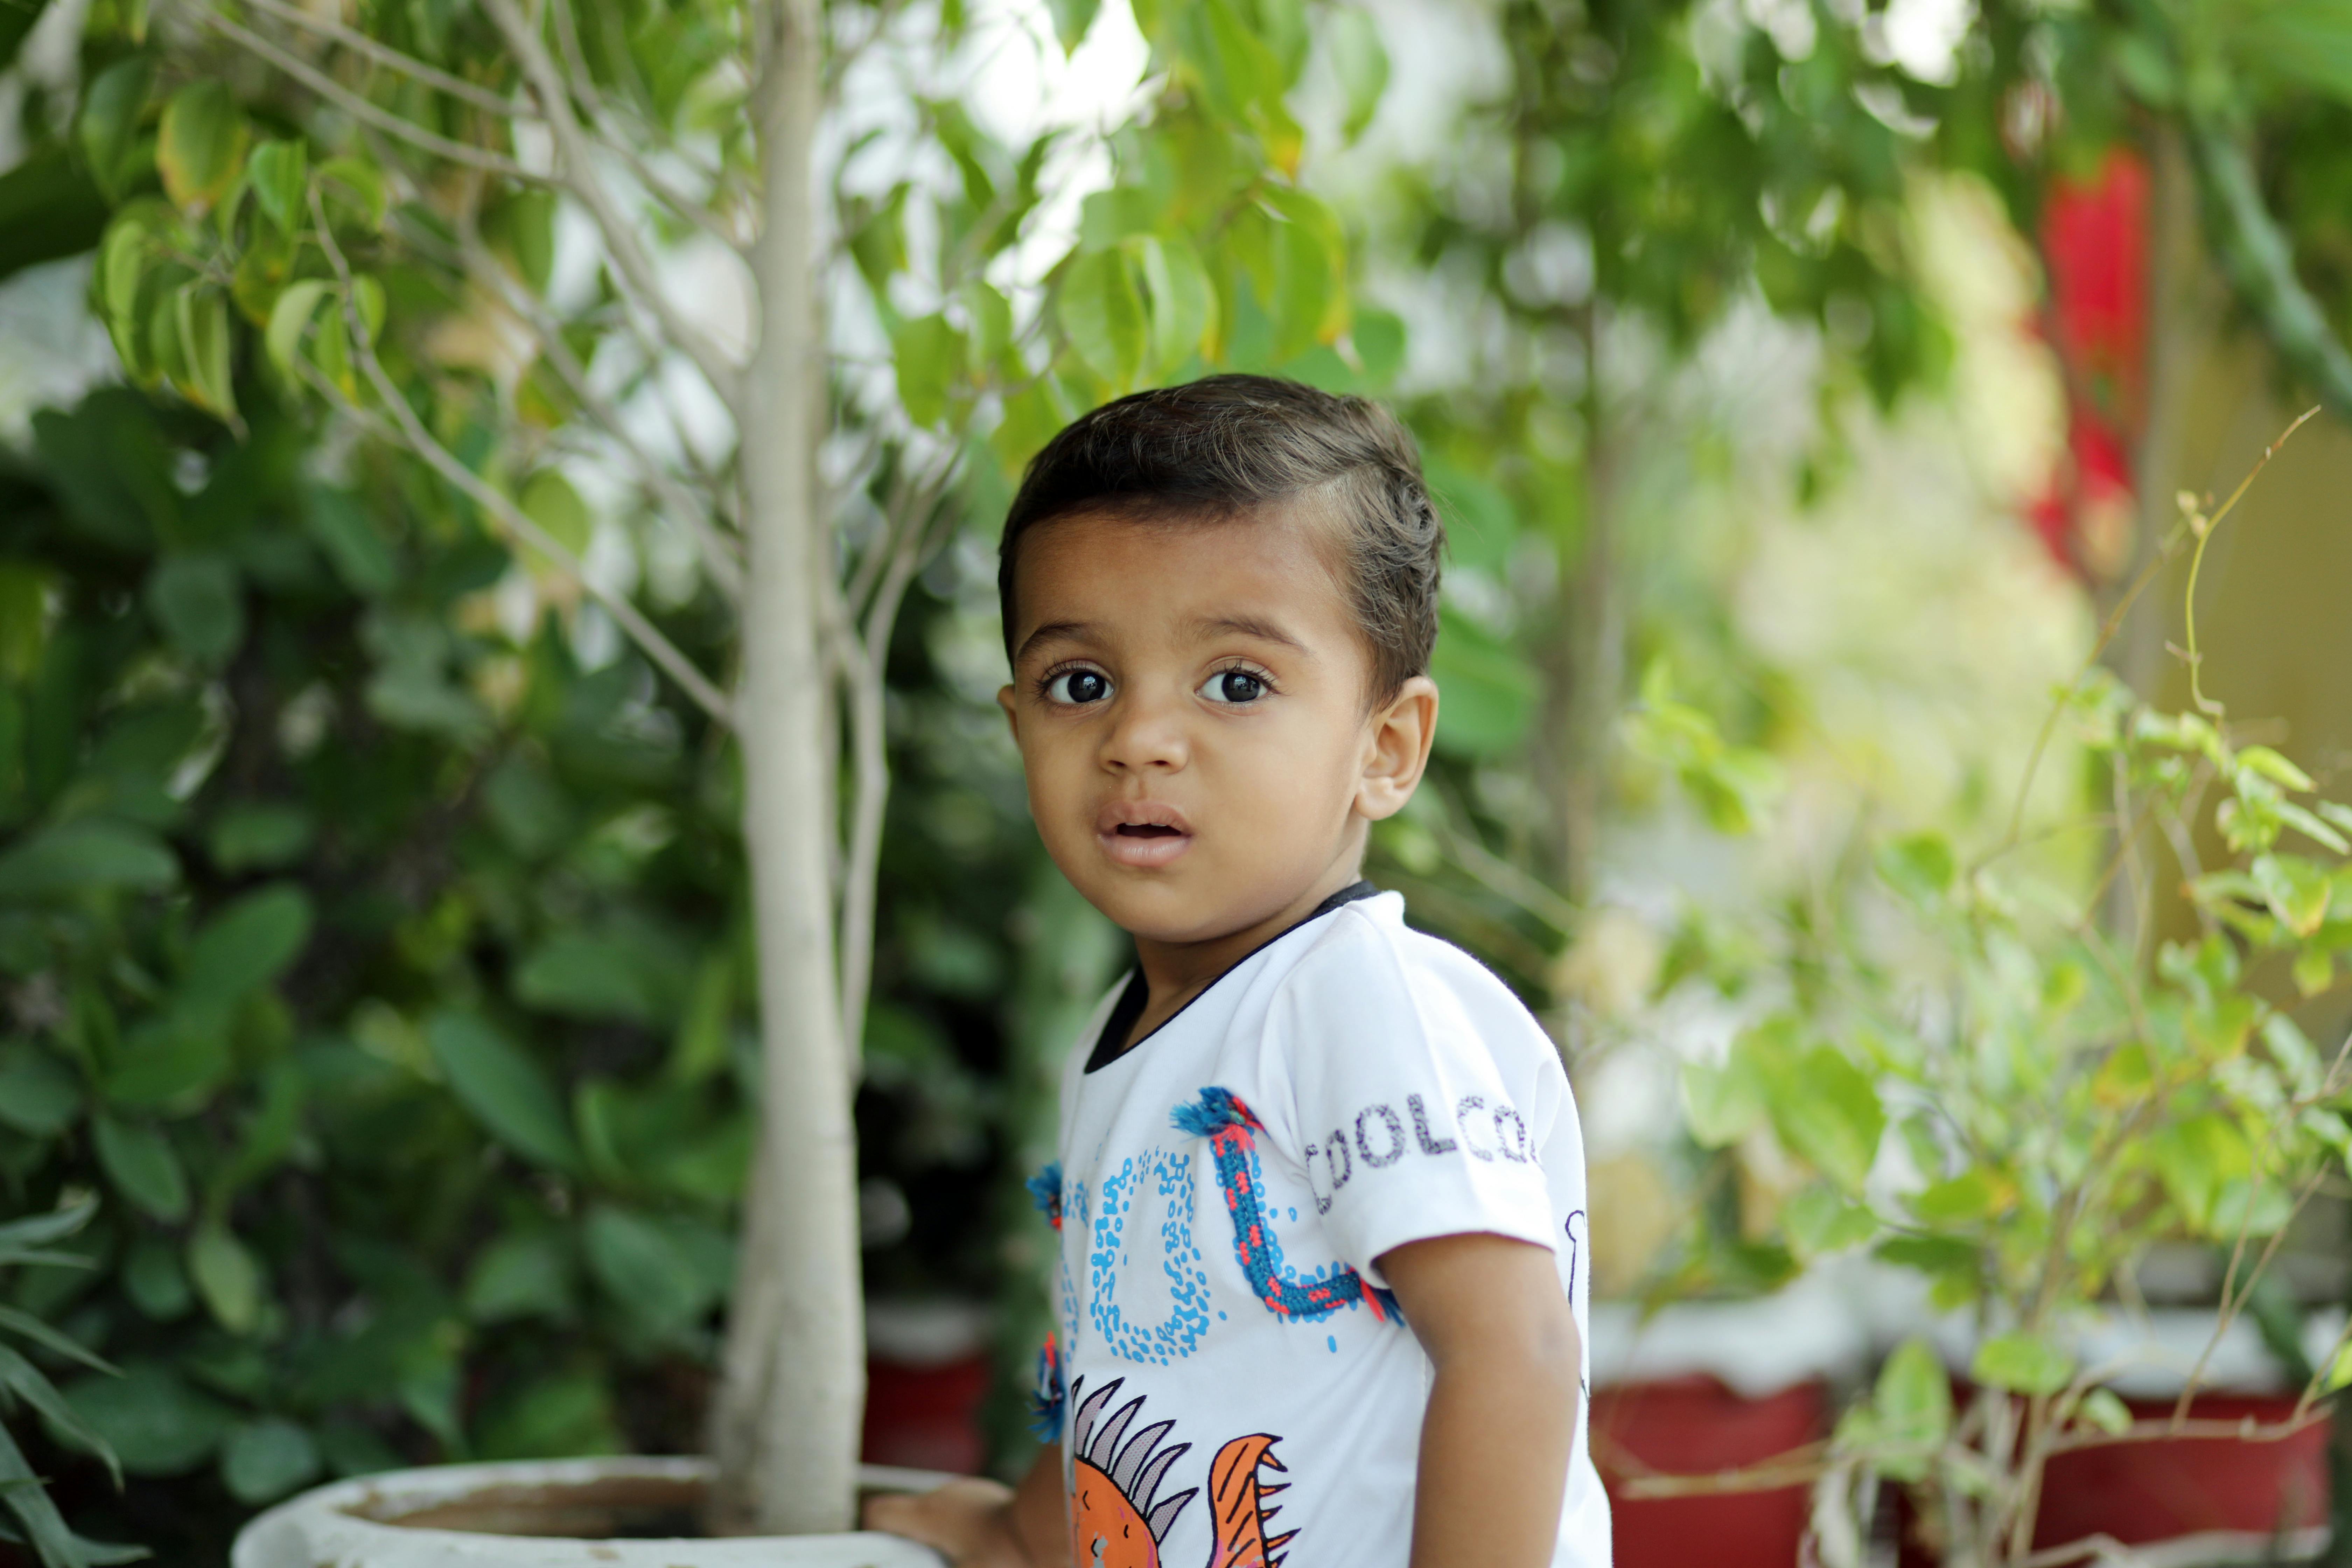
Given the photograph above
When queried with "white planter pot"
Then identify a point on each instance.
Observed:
(473, 1516)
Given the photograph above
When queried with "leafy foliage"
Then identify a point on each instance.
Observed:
(2022, 1106)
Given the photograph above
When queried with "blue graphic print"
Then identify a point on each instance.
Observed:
(1170, 1177)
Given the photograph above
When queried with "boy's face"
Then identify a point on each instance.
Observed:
(1189, 697)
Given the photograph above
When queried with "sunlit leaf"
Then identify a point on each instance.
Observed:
(1102, 311)
(2023, 1363)
(200, 146)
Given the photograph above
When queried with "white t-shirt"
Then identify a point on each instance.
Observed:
(1232, 1385)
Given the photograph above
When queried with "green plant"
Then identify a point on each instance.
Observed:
(372, 221)
(1994, 1085)
(24, 1389)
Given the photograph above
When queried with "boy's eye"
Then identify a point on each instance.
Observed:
(1233, 686)
(1078, 687)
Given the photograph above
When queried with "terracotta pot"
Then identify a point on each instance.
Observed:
(2216, 1499)
(1688, 1426)
(2186, 1501)
(563, 1513)
(926, 1417)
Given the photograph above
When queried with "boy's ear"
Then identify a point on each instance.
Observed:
(1012, 714)
(1396, 752)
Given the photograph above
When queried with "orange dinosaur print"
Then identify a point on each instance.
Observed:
(1118, 1520)
(1237, 1499)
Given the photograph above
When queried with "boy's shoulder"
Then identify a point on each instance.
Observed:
(1366, 957)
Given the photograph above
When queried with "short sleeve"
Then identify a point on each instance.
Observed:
(1407, 1120)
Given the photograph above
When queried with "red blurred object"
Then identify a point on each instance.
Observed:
(1690, 1426)
(926, 1417)
(2168, 1487)
(2094, 243)
(2172, 1487)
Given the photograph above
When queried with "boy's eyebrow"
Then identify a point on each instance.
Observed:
(1054, 631)
(1250, 626)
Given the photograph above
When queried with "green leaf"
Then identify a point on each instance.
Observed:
(1969, 1198)
(228, 1276)
(342, 527)
(249, 943)
(640, 1266)
(589, 975)
(507, 1092)
(1913, 1403)
(39, 1229)
(2315, 971)
(198, 601)
(139, 1159)
(1819, 1222)
(550, 502)
(1488, 692)
(1828, 1112)
(289, 320)
(156, 1424)
(1071, 20)
(204, 330)
(49, 1339)
(1722, 1103)
(23, 1380)
(107, 126)
(2269, 763)
(929, 354)
(1360, 62)
(153, 1279)
(1103, 314)
(1183, 305)
(2023, 1363)
(280, 173)
(256, 834)
(39, 1096)
(265, 1460)
(1920, 865)
(524, 1275)
(200, 146)
(522, 228)
(2296, 890)
(85, 857)
(354, 188)
(2103, 1410)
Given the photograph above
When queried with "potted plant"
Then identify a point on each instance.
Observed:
(1995, 1089)
(363, 225)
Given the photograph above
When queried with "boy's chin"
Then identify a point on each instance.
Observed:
(1179, 905)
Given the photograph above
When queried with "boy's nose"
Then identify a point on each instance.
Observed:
(1146, 737)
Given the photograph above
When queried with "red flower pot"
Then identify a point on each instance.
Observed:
(2172, 1487)
(926, 1417)
(1690, 1426)
(2252, 1499)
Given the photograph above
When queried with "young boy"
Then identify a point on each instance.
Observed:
(1321, 1187)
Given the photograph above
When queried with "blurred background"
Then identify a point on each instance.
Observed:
(1807, 384)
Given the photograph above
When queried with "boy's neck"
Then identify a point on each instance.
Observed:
(1176, 972)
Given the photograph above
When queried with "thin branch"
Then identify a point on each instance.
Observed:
(863, 662)
(720, 555)
(359, 43)
(582, 83)
(578, 161)
(643, 632)
(360, 109)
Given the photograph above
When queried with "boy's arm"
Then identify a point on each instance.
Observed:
(979, 1523)
(1502, 1409)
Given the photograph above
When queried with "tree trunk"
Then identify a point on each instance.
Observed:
(1584, 663)
(786, 1429)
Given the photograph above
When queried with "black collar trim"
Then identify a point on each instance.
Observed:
(1129, 1007)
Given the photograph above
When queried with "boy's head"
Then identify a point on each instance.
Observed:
(1219, 603)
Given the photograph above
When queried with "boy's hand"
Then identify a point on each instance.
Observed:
(1502, 1409)
(979, 1523)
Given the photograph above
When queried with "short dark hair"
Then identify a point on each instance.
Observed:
(1226, 445)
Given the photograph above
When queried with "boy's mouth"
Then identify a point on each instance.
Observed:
(1143, 833)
